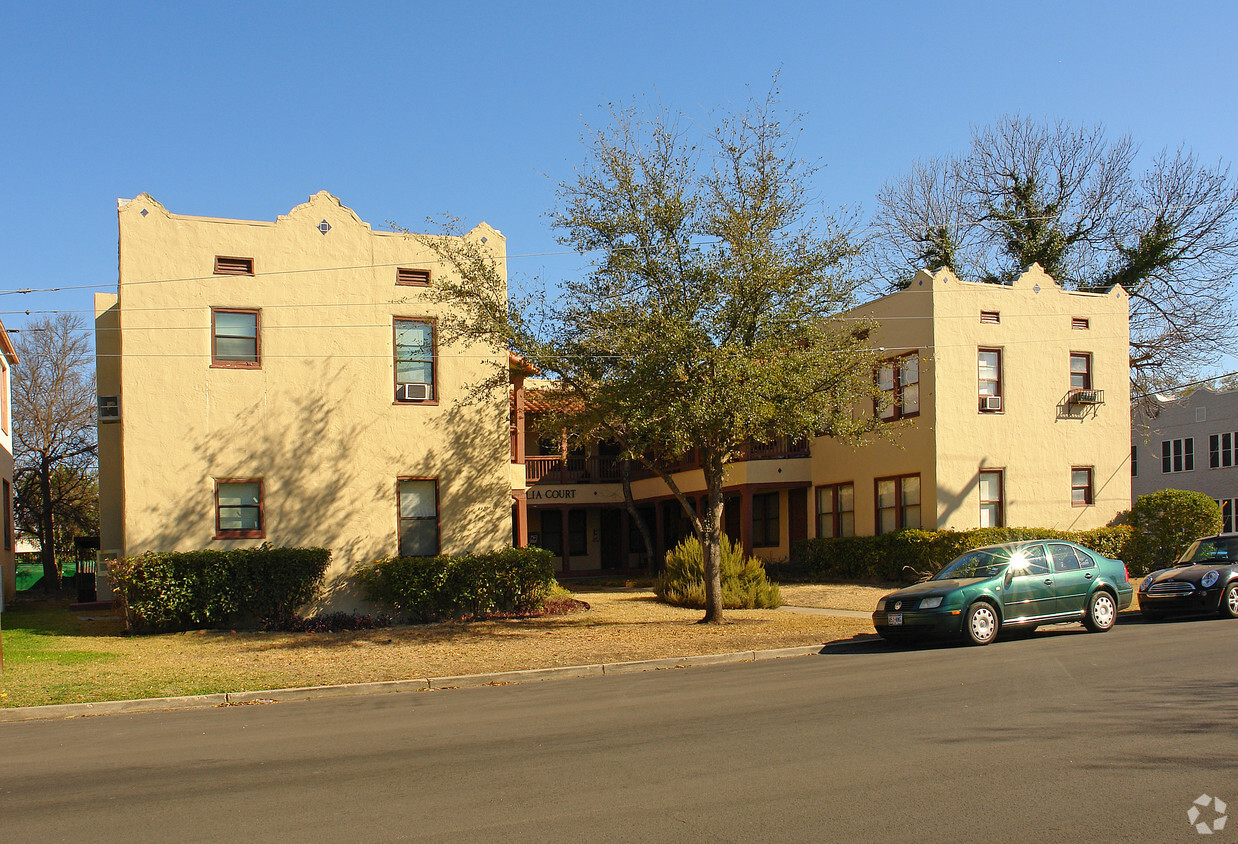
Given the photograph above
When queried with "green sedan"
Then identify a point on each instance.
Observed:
(1017, 585)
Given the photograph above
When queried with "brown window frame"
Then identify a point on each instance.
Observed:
(1000, 388)
(243, 267)
(260, 533)
(395, 370)
(900, 506)
(1089, 492)
(760, 539)
(836, 513)
(1087, 373)
(438, 515)
(1000, 501)
(256, 363)
(412, 277)
(896, 391)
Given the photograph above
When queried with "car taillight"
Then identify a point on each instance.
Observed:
(1126, 573)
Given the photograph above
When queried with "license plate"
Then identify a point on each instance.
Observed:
(894, 619)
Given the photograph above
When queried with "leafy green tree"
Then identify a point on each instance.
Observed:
(707, 319)
(1072, 200)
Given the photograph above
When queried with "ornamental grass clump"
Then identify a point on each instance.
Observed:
(744, 583)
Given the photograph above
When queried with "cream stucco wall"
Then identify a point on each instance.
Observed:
(316, 422)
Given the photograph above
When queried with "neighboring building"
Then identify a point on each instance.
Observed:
(8, 560)
(1189, 442)
(283, 382)
(1016, 400)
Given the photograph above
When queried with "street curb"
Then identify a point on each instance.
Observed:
(498, 678)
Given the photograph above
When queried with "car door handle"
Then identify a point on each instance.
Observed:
(1048, 581)
(1087, 576)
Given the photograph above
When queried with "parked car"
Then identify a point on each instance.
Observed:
(1017, 585)
(1203, 580)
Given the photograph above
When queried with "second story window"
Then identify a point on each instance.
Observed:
(898, 379)
(1178, 455)
(1222, 450)
(414, 361)
(1080, 371)
(234, 338)
(990, 384)
(1080, 486)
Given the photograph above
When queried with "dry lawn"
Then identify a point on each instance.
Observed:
(625, 624)
(835, 596)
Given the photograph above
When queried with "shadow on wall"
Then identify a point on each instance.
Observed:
(330, 479)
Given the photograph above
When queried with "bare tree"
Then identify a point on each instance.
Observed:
(1070, 200)
(54, 435)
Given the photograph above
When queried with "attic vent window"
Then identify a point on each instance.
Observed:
(415, 278)
(991, 317)
(233, 266)
(324, 227)
(1079, 323)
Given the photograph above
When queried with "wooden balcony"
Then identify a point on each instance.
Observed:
(553, 469)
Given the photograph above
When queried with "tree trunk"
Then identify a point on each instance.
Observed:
(625, 469)
(47, 544)
(711, 539)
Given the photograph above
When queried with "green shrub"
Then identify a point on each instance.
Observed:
(744, 583)
(1165, 522)
(882, 558)
(182, 590)
(513, 580)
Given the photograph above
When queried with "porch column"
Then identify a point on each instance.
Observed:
(522, 519)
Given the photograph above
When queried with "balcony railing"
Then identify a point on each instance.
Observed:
(553, 469)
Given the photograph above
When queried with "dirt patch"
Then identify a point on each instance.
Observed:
(835, 596)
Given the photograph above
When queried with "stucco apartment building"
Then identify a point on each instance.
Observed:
(8, 560)
(1189, 442)
(1012, 406)
(284, 382)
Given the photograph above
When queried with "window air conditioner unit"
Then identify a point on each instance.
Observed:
(414, 392)
(990, 402)
(1087, 397)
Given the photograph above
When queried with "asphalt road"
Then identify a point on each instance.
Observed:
(1063, 736)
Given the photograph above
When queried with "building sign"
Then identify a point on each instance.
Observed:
(578, 494)
(555, 494)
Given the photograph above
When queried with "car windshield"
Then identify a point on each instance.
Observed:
(984, 562)
(1203, 551)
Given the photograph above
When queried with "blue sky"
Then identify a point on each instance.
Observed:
(405, 110)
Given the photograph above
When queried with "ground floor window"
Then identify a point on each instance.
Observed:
(835, 511)
(898, 503)
(238, 509)
(578, 533)
(1081, 486)
(992, 499)
(765, 526)
(418, 505)
(1229, 507)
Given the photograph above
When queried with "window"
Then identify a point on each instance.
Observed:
(1222, 450)
(8, 514)
(835, 511)
(1081, 486)
(414, 360)
(418, 506)
(412, 277)
(1079, 323)
(233, 266)
(552, 532)
(1229, 507)
(1178, 455)
(234, 338)
(990, 317)
(1033, 562)
(990, 384)
(898, 503)
(765, 528)
(1068, 558)
(578, 533)
(109, 408)
(992, 509)
(238, 509)
(1134, 461)
(899, 382)
(1080, 371)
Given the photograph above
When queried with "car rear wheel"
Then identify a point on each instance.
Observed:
(981, 623)
(1102, 612)
(1229, 601)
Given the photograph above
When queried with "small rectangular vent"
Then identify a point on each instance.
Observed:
(233, 266)
(990, 317)
(1079, 323)
(416, 278)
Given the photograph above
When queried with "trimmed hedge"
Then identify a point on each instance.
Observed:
(265, 586)
(881, 558)
(513, 580)
(744, 582)
(1165, 523)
